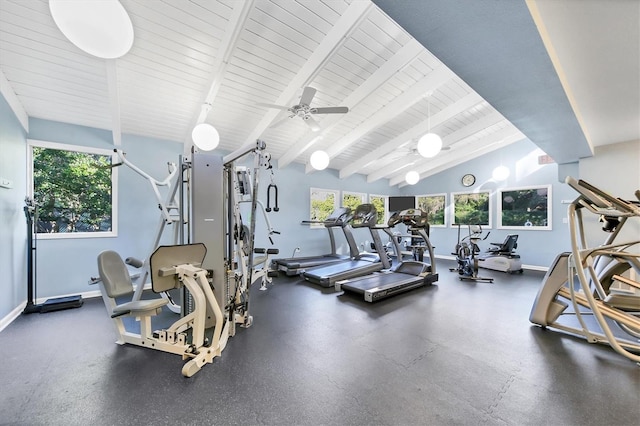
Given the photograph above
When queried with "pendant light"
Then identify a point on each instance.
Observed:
(319, 160)
(412, 177)
(430, 144)
(205, 137)
(100, 28)
(500, 173)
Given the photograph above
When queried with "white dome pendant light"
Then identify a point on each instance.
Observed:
(412, 177)
(205, 137)
(430, 144)
(319, 160)
(500, 173)
(101, 28)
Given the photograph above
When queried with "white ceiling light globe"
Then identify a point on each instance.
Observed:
(429, 145)
(101, 28)
(500, 173)
(319, 160)
(205, 137)
(412, 177)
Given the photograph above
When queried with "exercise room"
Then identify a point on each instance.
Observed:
(305, 212)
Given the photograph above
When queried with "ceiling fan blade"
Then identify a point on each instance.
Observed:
(279, 123)
(307, 95)
(313, 124)
(273, 106)
(330, 110)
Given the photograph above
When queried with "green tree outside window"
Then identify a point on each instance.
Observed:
(73, 191)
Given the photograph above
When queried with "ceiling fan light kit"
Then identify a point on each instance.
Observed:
(429, 145)
(99, 28)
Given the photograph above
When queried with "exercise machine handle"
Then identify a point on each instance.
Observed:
(275, 188)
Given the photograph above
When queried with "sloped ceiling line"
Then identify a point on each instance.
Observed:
(474, 148)
(114, 101)
(408, 98)
(12, 99)
(440, 117)
(353, 16)
(228, 44)
(405, 56)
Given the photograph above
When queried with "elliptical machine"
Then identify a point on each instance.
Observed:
(466, 250)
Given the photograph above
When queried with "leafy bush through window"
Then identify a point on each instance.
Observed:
(73, 188)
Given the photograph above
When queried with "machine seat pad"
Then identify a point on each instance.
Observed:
(140, 306)
(623, 302)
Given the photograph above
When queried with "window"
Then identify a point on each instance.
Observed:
(353, 199)
(323, 203)
(434, 205)
(75, 190)
(381, 203)
(471, 208)
(525, 208)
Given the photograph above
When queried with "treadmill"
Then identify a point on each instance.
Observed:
(407, 275)
(338, 219)
(365, 216)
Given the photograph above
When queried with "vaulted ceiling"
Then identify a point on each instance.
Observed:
(485, 82)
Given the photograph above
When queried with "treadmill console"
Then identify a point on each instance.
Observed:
(413, 218)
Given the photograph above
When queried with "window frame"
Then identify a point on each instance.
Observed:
(444, 208)
(336, 197)
(362, 195)
(547, 227)
(385, 215)
(31, 143)
(453, 223)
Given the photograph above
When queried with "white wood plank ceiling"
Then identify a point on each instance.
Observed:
(233, 55)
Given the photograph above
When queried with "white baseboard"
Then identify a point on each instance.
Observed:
(528, 267)
(15, 313)
(8, 319)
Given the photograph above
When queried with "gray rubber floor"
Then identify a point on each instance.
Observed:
(455, 353)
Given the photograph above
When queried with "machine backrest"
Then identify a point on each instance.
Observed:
(170, 256)
(510, 243)
(114, 274)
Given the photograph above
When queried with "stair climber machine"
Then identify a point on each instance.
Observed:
(406, 275)
(340, 218)
(365, 216)
(212, 266)
(590, 289)
(502, 256)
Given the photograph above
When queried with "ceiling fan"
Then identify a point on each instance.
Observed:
(304, 110)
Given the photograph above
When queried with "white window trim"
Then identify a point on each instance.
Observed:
(446, 207)
(114, 187)
(452, 207)
(549, 226)
(362, 195)
(336, 200)
(386, 205)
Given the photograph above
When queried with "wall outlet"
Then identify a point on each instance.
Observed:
(6, 183)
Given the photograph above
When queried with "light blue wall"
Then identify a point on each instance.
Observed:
(294, 201)
(536, 247)
(13, 227)
(65, 265)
